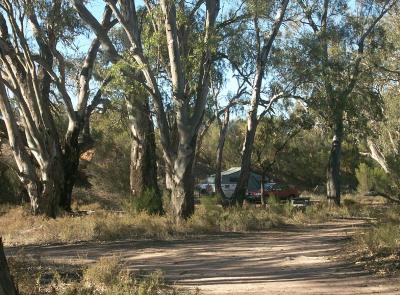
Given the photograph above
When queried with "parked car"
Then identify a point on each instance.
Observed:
(281, 191)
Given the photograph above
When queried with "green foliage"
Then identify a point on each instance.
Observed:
(149, 201)
(349, 203)
(301, 162)
(60, 16)
(109, 169)
(372, 179)
(274, 135)
(210, 202)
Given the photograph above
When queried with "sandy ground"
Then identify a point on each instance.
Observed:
(289, 261)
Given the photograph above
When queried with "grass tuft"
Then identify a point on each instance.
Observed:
(377, 247)
(108, 276)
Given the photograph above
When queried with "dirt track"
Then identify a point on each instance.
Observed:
(288, 261)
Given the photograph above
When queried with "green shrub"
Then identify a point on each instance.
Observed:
(382, 239)
(109, 169)
(353, 208)
(372, 179)
(148, 201)
(392, 214)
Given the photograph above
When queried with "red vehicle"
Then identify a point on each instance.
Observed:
(281, 191)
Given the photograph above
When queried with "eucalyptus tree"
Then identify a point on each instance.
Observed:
(264, 29)
(173, 64)
(33, 79)
(383, 141)
(122, 86)
(143, 157)
(336, 38)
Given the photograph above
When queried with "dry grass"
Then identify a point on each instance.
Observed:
(108, 276)
(379, 244)
(377, 248)
(21, 228)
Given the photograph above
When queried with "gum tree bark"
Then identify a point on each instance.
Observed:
(47, 168)
(35, 146)
(76, 135)
(223, 129)
(187, 101)
(143, 167)
(253, 116)
(333, 170)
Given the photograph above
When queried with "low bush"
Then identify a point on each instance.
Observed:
(372, 179)
(378, 246)
(149, 201)
(381, 239)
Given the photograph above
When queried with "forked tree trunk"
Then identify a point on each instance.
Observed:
(7, 286)
(40, 174)
(188, 112)
(333, 170)
(143, 167)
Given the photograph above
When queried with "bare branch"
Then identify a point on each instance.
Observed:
(98, 29)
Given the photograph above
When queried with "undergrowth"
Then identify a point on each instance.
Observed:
(108, 276)
(19, 227)
(377, 247)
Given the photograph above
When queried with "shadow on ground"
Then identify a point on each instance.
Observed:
(290, 260)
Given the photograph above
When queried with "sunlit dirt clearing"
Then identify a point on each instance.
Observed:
(286, 261)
